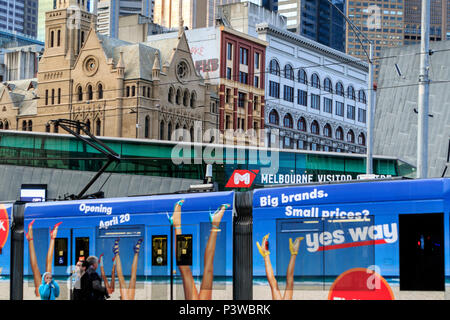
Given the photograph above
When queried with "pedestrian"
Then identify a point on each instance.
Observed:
(80, 269)
(49, 289)
(91, 282)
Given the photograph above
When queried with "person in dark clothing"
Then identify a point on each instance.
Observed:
(91, 282)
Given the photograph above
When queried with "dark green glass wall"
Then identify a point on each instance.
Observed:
(155, 158)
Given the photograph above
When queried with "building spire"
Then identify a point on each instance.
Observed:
(180, 18)
(120, 63)
(156, 68)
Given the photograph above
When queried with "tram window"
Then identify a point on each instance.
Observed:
(184, 249)
(159, 250)
(60, 252)
(81, 248)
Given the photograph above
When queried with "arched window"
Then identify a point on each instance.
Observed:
(193, 99)
(315, 127)
(301, 124)
(302, 76)
(274, 67)
(362, 139)
(169, 131)
(315, 81)
(30, 125)
(100, 91)
(350, 136)
(351, 93)
(361, 96)
(147, 127)
(339, 134)
(55, 128)
(161, 130)
(274, 118)
(191, 133)
(288, 72)
(340, 89)
(47, 127)
(58, 38)
(6, 125)
(98, 127)
(327, 85)
(78, 127)
(24, 125)
(53, 96)
(88, 125)
(327, 131)
(287, 121)
(185, 98)
(89, 92)
(80, 93)
(170, 95)
(178, 97)
(52, 38)
(82, 39)
(59, 95)
(1, 125)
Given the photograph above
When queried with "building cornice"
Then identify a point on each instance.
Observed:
(244, 36)
(265, 28)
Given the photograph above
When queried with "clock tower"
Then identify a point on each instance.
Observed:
(66, 30)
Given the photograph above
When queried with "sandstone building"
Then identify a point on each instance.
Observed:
(120, 89)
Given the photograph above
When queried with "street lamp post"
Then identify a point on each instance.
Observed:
(370, 90)
(423, 94)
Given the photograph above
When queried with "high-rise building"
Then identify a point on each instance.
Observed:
(109, 11)
(44, 6)
(315, 19)
(439, 20)
(19, 16)
(195, 13)
(392, 23)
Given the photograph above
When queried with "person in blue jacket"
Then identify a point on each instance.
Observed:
(49, 289)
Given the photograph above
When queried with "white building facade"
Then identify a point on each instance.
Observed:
(316, 97)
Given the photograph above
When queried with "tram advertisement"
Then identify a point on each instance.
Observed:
(306, 237)
(5, 214)
(146, 247)
(360, 284)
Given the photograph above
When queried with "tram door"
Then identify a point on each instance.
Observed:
(159, 262)
(81, 244)
(189, 250)
(422, 252)
(169, 250)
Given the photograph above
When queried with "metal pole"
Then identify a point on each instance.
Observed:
(370, 114)
(17, 248)
(423, 96)
(172, 240)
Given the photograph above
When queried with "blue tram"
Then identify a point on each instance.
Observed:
(311, 234)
